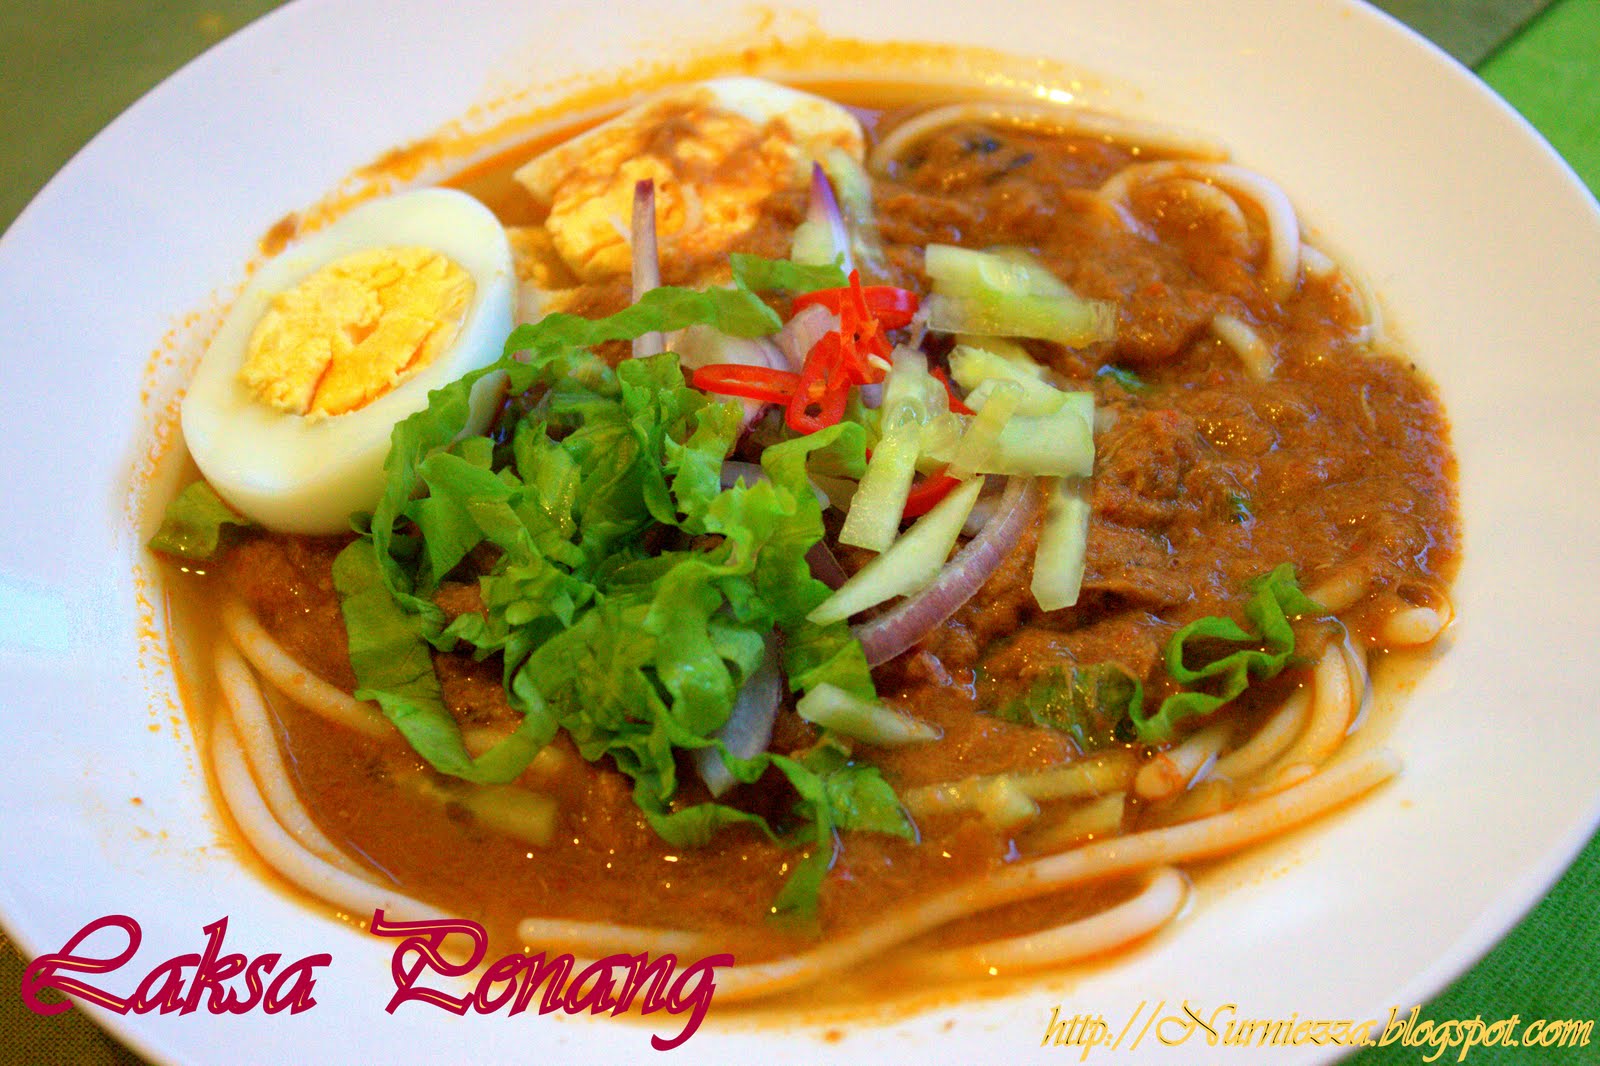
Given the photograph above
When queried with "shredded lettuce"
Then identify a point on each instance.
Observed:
(393, 666)
(839, 794)
(1224, 655)
(734, 311)
(635, 654)
(1215, 653)
(195, 523)
(785, 275)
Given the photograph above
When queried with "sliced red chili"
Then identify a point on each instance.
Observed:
(816, 397)
(749, 382)
(864, 313)
(891, 306)
(926, 493)
(819, 397)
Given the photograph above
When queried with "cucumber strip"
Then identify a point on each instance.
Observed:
(1044, 446)
(978, 446)
(860, 719)
(909, 565)
(1009, 293)
(1063, 540)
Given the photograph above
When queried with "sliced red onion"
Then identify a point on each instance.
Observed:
(748, 730)
(646, 261)
(735, 470)
(701, 345)
(823, 212)
(914, 618)
(824, 567)
(801, 334)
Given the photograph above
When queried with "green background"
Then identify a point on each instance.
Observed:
(68, 69)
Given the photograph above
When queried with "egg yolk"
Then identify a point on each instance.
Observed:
(355, 329)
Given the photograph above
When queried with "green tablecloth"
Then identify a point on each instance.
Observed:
(67, 70)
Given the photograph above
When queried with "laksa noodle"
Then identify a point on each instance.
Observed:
(826, 532)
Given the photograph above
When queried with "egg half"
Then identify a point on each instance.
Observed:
(338, 339)
(716, 151)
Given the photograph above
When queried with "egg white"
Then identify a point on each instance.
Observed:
(297, 475)
(588, 182)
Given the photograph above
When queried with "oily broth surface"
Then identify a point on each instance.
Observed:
(615, 869)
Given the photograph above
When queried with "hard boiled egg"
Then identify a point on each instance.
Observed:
(716, 151)
(338, 339)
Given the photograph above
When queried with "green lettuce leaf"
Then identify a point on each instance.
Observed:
(1224, 656)
(694, 827)
(838, 794)
(784, 275)
(637, 650)
(1214, 656)
(195, 522)
(736, 312)
(391, 660)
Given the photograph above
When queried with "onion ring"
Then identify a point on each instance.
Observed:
(824, 566)
(823, 210)
(646, 262)
(748, 730)
(802, 332)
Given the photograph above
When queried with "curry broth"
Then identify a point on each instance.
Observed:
(1205, 478)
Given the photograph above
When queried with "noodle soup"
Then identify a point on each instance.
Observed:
(1012, 527)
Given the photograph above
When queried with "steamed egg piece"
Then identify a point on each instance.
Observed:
(716, 151)
(338, 339)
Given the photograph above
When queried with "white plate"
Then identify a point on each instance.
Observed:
(1486, 249)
